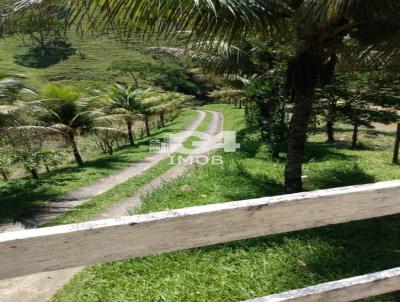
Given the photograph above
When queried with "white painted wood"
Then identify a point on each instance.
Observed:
(345, 290)
(46, 249)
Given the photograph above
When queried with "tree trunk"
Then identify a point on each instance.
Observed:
(47, 169)
(147, 126)
(355, 135)
(35, 173)
(134, 79)
(330, 131)
(5, 176)
(315, 123)
(396, 146)
(110, 149)
(296, 142)
(130, 133)
(77, 155)
(162, 119)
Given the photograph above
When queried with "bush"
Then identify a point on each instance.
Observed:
(270, 113)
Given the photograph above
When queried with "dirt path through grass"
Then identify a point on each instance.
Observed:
(41, 287)
(77, 197)
(127, 206)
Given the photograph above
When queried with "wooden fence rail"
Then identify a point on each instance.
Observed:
(46, 249)
(345, 290)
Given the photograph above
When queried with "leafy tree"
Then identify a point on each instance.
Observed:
(271, 111)
(52, 158)
(127, 67)
(27, 146)
(361, 106)
(356, 98)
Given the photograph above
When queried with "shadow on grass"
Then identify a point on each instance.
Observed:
(344, 175)
(318, 152)
(253, 186)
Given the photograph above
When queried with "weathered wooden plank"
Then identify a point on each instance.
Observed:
(345, 290)
(53, 248)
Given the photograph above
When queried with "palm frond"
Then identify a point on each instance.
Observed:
(326, 13)
(196, 20)
(213, 56)
(34, 132)
(228, 94)
(108, 131)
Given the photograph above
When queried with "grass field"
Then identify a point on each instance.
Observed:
(87, 70)
(18, 197)
(251, 268)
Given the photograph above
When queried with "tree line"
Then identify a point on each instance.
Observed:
(36, 134)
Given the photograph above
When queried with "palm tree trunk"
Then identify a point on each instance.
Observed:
(110, 148)
(296, 143)
(147, 126)
(355, 135)
(75, 150)
(130, 133)
(35, 173)
(162, 119)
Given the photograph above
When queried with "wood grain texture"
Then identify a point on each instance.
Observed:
(46, 249)
(345, 290)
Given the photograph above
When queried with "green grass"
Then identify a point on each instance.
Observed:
(19, 197)
(251, 268)
(98, 204)
(85, 72)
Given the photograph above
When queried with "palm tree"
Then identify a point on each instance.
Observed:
(325, 24)
(147, 108)
(320, 25)
(63, 110)
(124, 103)
(168, 102)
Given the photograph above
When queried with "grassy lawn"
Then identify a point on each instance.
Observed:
(100, 203)
(251, 268)
(20, 196)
